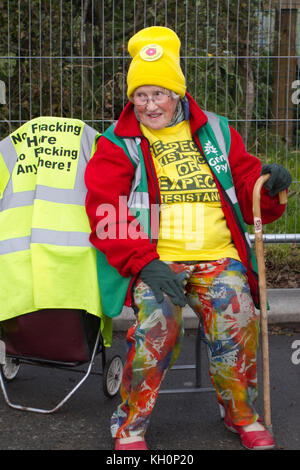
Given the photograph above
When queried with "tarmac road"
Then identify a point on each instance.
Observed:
(180, 421)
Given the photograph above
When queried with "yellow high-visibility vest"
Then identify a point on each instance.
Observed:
(46, 259)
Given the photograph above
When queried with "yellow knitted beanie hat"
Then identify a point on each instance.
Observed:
(155, 60)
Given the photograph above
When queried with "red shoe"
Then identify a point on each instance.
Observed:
(139, 444)
(253, 440)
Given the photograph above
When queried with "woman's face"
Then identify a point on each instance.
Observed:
(154, 105)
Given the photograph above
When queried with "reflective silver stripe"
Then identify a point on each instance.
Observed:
(139, 200)
(14, 244)
(214, 122)
(57, 237)
(136, 199)
(232, 195)
(248, 239)
(63, 196)
(49, 237)
(8, 152)
(135, 182)
(86, 144)
(131, 145)
(11, 200)
(44, 193)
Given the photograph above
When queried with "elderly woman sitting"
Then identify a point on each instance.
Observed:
(187, 181)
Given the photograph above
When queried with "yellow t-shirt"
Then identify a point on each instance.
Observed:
(193, 226)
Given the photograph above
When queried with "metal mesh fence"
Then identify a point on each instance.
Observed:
(240, 58)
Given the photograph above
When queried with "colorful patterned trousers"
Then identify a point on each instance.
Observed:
(219, 294)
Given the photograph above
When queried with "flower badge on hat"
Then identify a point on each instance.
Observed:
(151, 52)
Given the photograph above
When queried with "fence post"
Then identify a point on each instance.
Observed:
(285, 66)
(2, 92)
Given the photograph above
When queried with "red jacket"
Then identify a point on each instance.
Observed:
(109, 174)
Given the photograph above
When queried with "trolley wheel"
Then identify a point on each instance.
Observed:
(112, 376)
(10, 368)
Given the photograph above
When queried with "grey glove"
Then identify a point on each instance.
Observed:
(161, 278)
(279, 180)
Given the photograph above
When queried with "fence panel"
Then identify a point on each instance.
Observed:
(240, 58)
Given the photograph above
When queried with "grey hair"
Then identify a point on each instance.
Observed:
(174, 95)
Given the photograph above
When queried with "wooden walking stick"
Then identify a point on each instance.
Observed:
(259, 250)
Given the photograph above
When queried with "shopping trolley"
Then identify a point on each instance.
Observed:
(60, 338)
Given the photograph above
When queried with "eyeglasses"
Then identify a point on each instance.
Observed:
(158, 97)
